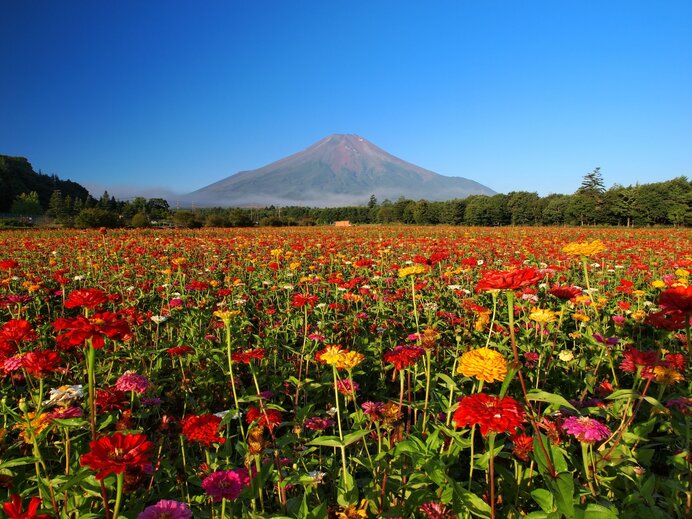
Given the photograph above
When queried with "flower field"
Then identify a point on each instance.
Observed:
(360, 372)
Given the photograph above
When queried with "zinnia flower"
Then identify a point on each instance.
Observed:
(585, 429)
(484, 364)
(584, 248)
(131, 381)
(349, 360)
(412, 270)
(77, 330)
(542, 316)
(41, 363)
(677, 298)
(86, 298)
(508, 280)
(114, 454)
(14, 508)
(226, 484)
(13, 332)
(491, 413)
(436, 510)
(403, 356)
(331, 354)
(203, 429)
(166, 509)
(270, 418)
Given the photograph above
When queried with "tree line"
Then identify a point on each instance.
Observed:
(667, 203)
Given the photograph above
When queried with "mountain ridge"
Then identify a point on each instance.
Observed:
(340, 169)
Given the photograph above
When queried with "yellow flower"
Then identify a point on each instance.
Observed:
(412, 270)
(36, 424)
(543, 316)
(331, 354)
(349, 359)
(638, 315)
(355, 512)
(578, 316)
(658, 284)
(294, 265)
(682, 273)
(226, 315)
(584, 248)
(638, 293)
(484, 364)
(667, 376)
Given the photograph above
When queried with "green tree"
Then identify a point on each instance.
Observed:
(96, 217)
(27, 204)
(140, 220)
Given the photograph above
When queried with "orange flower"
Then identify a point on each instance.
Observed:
(484, 364)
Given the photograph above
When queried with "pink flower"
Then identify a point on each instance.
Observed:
(346, 386)
(166, 509)
(585, 429)
(226, 484)
(317, 423)
(130, 381)
(436, 510)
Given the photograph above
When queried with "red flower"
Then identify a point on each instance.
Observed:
(114, 454)
(512, 280)
(77, 330)
(565, 292)
(248, 356)
(523, 446)
(179, 351)
(403, 356)
(270, 418)
(13, 332)
(86, 298)
(300, 300)
(41, 363)
(110, 399)
(492, 414)
(633, 359)
(13, 508)
(8, 265)
(670, 320)
(203, 429)
(677, 298)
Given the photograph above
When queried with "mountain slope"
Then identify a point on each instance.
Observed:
(338, 170)
(17, 177)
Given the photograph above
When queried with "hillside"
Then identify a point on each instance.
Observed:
(17, 177)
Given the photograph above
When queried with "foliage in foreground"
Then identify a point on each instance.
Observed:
(351, 373)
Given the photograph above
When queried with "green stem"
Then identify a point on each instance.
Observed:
(227, 326)
(338, 420)
(587, 471)
(120, 478)
(491, 472)
(428, 361)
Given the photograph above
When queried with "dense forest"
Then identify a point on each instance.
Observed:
(18, 178)
(24, 192)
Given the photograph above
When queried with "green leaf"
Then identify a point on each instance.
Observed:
(327, 441)
(347, 492)
(449, 382)
(595, 511)
(472, 502)
(551, 398)
(562, 488)
(544, 499)
(623, 393)
(17, 462)
(354, 437)
(554, 455)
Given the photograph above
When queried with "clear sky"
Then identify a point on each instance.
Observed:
(140, 96)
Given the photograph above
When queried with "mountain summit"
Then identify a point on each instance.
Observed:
(338, 170)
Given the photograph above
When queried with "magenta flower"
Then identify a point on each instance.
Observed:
(347, 387)
(436, 510)
(585, 429)
(166, 509)
(130, 381)
(226, 484)
(317, 423)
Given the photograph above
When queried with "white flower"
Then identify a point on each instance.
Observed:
(317, 476)
(566, 355)
(158, 319)
(64, 395)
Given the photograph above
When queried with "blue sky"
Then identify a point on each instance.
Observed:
(150, 97)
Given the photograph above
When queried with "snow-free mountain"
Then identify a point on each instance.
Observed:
(339, 170)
